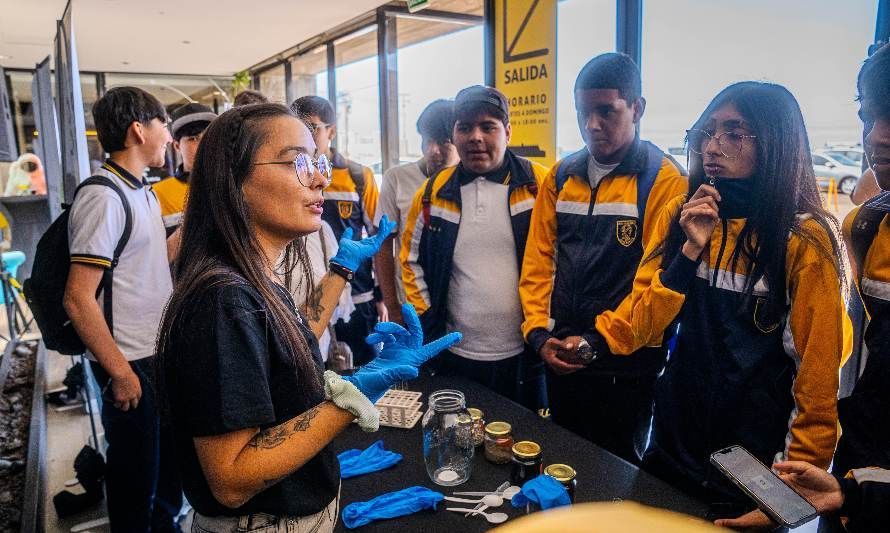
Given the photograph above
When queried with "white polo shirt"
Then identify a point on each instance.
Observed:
(396, 196)
(142, 283)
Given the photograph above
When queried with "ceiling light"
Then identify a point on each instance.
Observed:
(186, 42)
(125, 62)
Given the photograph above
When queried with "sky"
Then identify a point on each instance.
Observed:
(691, 50)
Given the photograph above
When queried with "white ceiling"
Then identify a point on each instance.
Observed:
(224, 36)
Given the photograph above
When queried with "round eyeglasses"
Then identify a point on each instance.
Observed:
(729, 142)
(310, 172)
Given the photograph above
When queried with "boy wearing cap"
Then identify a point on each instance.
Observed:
(591, 220)
(435, 126)
(189, 123)
(462, 250)
(350, 201)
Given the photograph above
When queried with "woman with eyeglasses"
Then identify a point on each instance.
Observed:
(744, 281)
(239, 366)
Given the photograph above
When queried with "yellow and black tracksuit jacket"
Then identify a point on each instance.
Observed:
(172, 193)
(865, 439)
(737, 374)
(428, 245)
(585, 244)
(350, 201)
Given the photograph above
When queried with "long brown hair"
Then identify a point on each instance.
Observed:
(219, 245)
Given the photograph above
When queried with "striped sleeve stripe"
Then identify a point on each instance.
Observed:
(441, 212)
(876, 289)
(572, 208)
(414, 265)
(522, 206)
(345, 195)
(728, 281)
(617, 209)
(173, 219)
(877, 475)
(91, 260)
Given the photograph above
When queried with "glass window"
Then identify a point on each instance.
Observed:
(309, 73)
(90, 93)
(815, 49)
(584, 29)
(174, 91)
(358, 97)
(435, 60)
(22, 110)
(272, 84)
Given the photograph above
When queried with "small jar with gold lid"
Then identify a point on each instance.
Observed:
(527, 462)
(478, 425)
(566, 475)
(498, 442)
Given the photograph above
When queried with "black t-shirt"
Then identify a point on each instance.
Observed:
(227, 370)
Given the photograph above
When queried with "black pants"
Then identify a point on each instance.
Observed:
(614, 413)
(142, 481)
(519, 378)
(353, 333)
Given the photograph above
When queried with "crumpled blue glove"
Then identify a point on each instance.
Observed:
(352, 253)
(402, 354)
(372, 459)
(544, 491)
(390, 505)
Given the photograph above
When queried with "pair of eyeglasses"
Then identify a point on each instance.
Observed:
(310, 172)
(729, 142)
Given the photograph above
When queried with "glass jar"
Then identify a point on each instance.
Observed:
(499, 442)
(448, 438)
(478, 418)
(527, 462)
(566, 475)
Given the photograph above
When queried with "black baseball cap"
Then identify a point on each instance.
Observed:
(470, 97)
(191, 113)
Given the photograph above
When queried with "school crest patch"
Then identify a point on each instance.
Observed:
(345, 209)
(626, 231)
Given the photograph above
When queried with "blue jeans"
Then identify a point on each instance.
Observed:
(142, 485)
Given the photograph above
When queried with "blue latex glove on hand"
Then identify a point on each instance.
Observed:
(390, 505)
(352, 253)
(402, 354)
(406, 345)
(544, 491)
(372, 459)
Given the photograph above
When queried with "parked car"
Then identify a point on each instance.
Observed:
(854, 155)
(844, 172)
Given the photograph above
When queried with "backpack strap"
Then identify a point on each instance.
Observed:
(562, 171)
(646, 179)
(106, 284)
(526, 167)
(425, 202)
(357, 173)
(865, 228)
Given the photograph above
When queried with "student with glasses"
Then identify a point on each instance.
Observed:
(239, 367)
(744, 280)
(350, 201)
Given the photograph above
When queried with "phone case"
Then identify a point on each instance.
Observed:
(763, 506)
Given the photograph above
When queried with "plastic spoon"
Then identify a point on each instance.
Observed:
(493, 518)
(490, 500)
(507, 493)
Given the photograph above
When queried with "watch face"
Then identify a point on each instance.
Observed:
(585, 353)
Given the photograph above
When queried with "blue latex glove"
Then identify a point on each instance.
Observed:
(544, 491)
(390, 505)
(373, 458)
(402, 354)
(406, 345)
(352, 253)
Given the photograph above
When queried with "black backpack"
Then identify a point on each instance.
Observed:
(45, 289)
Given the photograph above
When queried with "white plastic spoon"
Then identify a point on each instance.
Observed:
(490, 500)
(507, 493)
(493, 518)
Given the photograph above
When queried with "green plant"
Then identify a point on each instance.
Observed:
(241, 81)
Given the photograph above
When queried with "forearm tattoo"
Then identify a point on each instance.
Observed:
(313, 306)
(273, 437)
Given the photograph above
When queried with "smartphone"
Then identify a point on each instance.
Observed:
(774, 497)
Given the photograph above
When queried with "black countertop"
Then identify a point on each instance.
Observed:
(601, 475)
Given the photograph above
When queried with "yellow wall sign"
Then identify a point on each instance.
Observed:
(525, 71)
